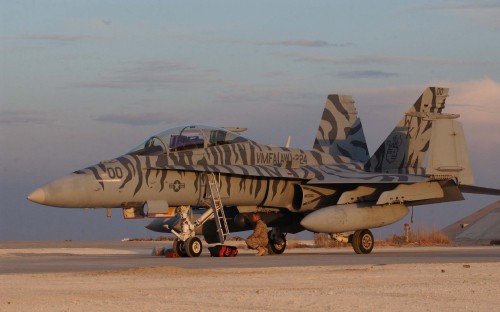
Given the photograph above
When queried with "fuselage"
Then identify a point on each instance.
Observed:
(250, 175)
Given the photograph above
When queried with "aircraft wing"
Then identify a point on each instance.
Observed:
(335, 175)
(315, 174)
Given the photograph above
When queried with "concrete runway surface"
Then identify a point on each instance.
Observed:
(82, 256)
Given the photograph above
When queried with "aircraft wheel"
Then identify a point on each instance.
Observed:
(277, 247)
(193, 247)
(363, 242)
(179, 247)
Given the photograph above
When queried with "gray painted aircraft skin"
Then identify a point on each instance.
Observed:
(334, 188)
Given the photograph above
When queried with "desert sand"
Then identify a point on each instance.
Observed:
(398, 287)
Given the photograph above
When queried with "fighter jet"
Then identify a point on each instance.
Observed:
(200, 180)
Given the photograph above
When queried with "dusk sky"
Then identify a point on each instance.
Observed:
(85, 81)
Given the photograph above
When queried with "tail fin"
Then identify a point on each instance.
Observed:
(404, 149)
(340, 132)
(448, 154)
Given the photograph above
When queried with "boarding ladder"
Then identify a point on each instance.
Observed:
(213, 194)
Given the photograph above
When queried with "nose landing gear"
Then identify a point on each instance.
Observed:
(186, 244)
(179, 247)
(193, 247)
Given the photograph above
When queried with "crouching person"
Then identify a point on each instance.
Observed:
(258, 239)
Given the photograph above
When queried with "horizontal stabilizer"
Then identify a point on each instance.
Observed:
(472, 189)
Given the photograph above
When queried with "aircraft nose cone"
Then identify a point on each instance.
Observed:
(37, 196)
(70, 191)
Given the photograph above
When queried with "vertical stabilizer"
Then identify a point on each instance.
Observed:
(340, 132)
(404, 149)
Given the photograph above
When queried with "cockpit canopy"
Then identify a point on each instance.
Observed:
(186, 138)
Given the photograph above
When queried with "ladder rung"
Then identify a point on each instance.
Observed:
(217, 207)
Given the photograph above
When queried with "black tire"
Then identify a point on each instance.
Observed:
(363, 242)
(179, 248)
(193, 247)
(276, 248)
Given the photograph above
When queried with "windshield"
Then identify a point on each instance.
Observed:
(186, 138)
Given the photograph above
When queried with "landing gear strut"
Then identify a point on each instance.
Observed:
(362, 241)
(277, 242)
(186, 244)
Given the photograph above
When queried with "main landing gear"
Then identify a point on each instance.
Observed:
(362, 241)
(277, 242)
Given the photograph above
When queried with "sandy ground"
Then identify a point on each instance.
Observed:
(419, 287)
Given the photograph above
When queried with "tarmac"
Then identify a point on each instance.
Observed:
(124, 276)
(85, 256)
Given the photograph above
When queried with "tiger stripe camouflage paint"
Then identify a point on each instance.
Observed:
(282, 183)
(179, 177)
(152, 177)
(404, 149)
(340, 131)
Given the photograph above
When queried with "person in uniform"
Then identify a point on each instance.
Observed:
(258, 239)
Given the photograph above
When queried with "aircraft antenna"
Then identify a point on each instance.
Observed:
(288, 141)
